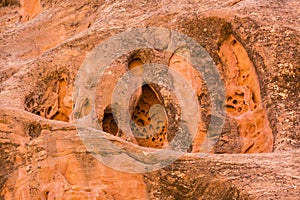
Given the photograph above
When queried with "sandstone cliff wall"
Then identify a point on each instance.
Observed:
(255, 46)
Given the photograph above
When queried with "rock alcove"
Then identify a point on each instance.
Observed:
(52, 98)
(256, 51)
(246, 129)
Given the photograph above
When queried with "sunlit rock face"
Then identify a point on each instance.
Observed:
(248, 129)
(255, 49)
(30, 9)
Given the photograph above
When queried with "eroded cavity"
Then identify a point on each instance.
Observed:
(52, 98)
(243, 99)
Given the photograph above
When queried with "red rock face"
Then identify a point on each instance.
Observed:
(255, 46)
(30, 9)
(54, 101)
(243, 98)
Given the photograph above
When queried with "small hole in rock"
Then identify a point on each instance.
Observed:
(253, 98)
(49, 110)
(141, 122)
(239, 93)
(46, 194)
(109, 124)
(136, 65)
(34, 130)
(229, 106)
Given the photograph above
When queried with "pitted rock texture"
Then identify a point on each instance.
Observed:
(255, 46)
(55, 164)
(243, 98)
(149, 126)
(52, 99)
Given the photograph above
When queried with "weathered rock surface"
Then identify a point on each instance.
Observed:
(42, 159)
(255, 46)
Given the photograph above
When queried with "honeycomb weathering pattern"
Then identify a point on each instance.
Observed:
(243, 99)
(149, 128)
(52, 99)
(96, 67)
(147, 132)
